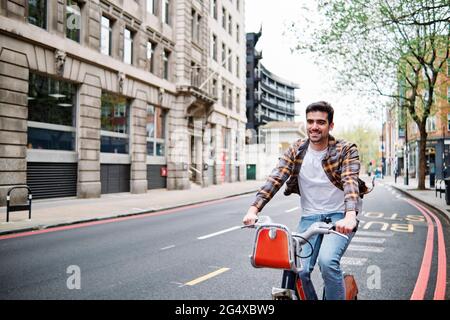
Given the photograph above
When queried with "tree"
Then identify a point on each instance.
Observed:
(375, 45)
(367, 141)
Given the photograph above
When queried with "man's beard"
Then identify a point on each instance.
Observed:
(316, 137)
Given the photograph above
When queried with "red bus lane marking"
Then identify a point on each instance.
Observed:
(441, 279)
(424, 273)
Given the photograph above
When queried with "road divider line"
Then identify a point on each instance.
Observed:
(218, 233)
(167, 248)
(293, 209)
(206, 277)
(373, 233)
(441, 279)
(365, 248)
(368, 240)
(353, 261)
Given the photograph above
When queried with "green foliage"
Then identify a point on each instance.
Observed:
(367, 141)
(383, 48)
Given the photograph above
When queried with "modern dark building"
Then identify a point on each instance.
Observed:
(268, 97)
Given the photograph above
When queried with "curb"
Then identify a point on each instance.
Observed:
(124, 215)
(438, 210)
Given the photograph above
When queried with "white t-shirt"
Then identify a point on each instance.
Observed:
(318, 194)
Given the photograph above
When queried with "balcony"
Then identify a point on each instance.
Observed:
(275, 107)
(202, 98)
(281, 94)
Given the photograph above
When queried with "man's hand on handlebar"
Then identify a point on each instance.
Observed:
(347, 224)
(251, 217)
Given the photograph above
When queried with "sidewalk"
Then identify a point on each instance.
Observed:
(428, 196)
(65, 211)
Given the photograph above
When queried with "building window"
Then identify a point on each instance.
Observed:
(214, 47)
(37, 13)
(156, 127)
(224, 96)
(151, 6)
(238, 5)
(166, 11)
(238, 32)
(226, 138)
(73, 20)
(214, 9)
(106, 36)
(448, 67)
(224, 18)
(238, 102)
(214, 87)
(237, 67)
(230, 61)
(114, 124)
(230, 25)
(195, 26)
(128, 46)
(150, 56)
(166, 64)
(230, 99)
(195, 74)
(199, 28)
(51, 113)
(224, 55)
(431, 124)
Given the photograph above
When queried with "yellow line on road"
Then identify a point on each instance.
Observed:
(206, 277)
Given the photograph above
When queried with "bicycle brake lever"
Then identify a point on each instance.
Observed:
(250, 226)
(354, 229)
(339, 234)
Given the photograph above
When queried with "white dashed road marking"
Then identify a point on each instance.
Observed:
(353, 261)
(168, 247)
(368, 240)
(365, 248)
(218, 233)
(373, 233)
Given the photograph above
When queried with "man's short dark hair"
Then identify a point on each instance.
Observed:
(323, 107)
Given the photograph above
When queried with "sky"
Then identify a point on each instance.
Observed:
(316, 83)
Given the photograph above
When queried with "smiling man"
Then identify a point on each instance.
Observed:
(324, 171)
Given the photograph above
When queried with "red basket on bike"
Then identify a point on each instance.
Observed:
(273, 248)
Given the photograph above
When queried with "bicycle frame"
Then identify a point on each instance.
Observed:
(276, 247)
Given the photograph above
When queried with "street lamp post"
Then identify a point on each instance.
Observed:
(382, 143)
(383, 148)
(406, 149)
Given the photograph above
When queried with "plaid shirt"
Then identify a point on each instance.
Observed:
(341, 165)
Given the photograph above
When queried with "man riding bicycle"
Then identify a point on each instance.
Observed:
(324, 171)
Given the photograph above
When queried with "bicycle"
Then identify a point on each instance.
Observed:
(276, 247)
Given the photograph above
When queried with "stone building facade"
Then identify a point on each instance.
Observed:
(106, 96)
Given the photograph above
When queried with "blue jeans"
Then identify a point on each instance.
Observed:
(328, 251)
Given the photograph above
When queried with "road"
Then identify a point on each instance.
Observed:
(199, 252)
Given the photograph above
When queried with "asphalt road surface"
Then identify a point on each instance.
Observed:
(199, 252)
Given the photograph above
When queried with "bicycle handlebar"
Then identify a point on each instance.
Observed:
(315, 228)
